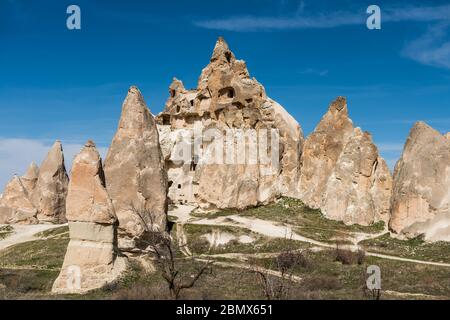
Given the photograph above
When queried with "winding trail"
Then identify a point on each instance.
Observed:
(25, 233)
(277, 230)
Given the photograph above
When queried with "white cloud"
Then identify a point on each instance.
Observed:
(17, 154)
(316, 72)
(324, 20)
(432, 48)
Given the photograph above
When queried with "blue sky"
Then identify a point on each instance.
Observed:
(69, 85)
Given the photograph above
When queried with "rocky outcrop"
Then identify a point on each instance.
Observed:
(136, 179)
(91, 259)
(421, 190)
(29, 180)
(226, 144)
(342, 173)
(321, 151)
(51, 187)
(359, 189)
(16, 205)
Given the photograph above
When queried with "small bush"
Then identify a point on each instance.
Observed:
(322, 282)
(349, 257)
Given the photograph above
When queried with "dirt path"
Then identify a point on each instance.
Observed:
(25, 233)
(251, 268)
(276, 230)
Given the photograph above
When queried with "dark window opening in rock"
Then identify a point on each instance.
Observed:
(193, 165)
(166, 120)
(249, 100)
(228, 92)
(185, 201)
(172, 93)
(179, 186)
(178, 109)
(228, 56)
(170, 183)
(192, 103)
(238, 105)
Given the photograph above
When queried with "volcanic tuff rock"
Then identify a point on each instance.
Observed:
(421, 190)
(136, 179)
(16, 205)
(228, 100)
(29, 180)
(342, 172)
(51, 187)
(91, 259)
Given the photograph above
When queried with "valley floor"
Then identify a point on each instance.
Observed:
(240, 243)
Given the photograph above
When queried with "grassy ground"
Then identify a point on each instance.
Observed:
(309, 222)
(199, 245)
(414, 248)
(28, 270)
(327, 278)
(59, 232)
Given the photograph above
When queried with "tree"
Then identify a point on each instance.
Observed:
(164, 252)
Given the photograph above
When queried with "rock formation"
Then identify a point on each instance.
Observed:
(421, 189)
(91, 259)
(29, 180)
(16, 205)
(51, 187)
(136, 179)
(342, 173)
(238, 147)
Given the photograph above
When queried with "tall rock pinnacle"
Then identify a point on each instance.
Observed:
(92, 252)
(51, 187)
(421, 191)
(136, 179)
(322, 150)
(342, 172)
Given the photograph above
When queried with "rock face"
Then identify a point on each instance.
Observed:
(16, 205)
(51, 187)
(136, 178)
(421, 191)
(226, 144)
(29, 180)
(342, 173)
(91, 259)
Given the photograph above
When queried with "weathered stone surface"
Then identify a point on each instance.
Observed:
(91, 259)
(87, 200)
(16, 205)
(29, 180)
(227, 101)
(359, 189)
(421, 190)
(342, 173)
(321, 152)
(51, 187)
(136, 178)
